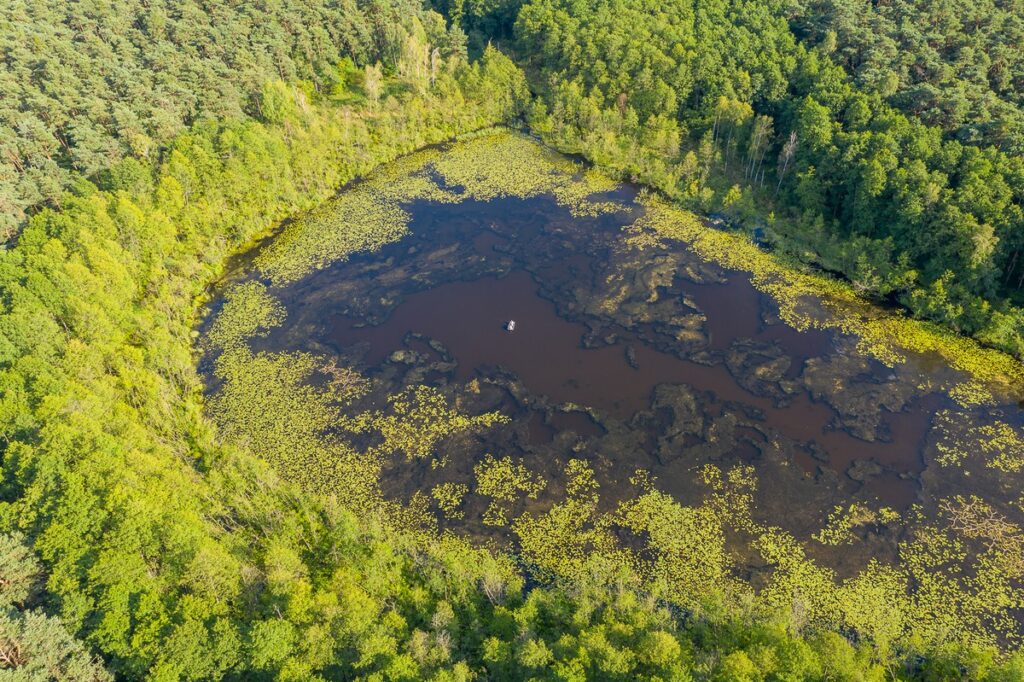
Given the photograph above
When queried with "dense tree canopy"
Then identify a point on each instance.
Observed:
(722, 104)
(141, 143)
(953, 65)
(175, 557)
(85, 84)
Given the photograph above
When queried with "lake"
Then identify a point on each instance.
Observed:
(632, 356)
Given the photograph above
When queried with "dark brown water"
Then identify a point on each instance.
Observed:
(544, 351)
(647, 360)
(547, 354)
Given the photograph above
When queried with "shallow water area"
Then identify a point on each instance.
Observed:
(633, 357)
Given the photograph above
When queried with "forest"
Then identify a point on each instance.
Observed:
(773, 117)
(142, 144)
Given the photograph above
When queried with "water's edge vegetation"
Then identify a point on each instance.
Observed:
(685, 561)
(171, 554)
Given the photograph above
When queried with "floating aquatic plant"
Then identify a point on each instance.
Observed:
(449, 496)
(885, 335)
(299, 411)
(418, 419)
(504, 481)
(356, 221)
(999, 444)
(842, 521)
(248, 311)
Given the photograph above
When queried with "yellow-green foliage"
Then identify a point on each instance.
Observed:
(269, 406)
(507, 164)
(732, 495)
(409, 179)
(842, 521)
(1000, 444)
(418, 419)
(565, 540)
(504, 481)
(503, 165)
(889, 337)
(363, 218)
(877, 603)
(958, 589)
(279, 406)
(449, 496)
(498, 163)
(172, 554)
(248, 311)
(797, 586)
(687, 545)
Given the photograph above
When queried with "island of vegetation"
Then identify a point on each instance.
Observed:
(189, 494)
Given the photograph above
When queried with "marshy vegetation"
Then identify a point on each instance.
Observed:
(738, 433)
(260, 418)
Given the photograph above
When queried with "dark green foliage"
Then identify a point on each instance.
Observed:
(19, 572)
(37, 648)
(85, 84)
(483, 21)
(950, 64)
(201, 125)
(33, 646)
(169, 555)
(720, 104)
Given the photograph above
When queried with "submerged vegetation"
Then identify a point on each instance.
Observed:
(167, 552)
(158, 523)
(898, 167)
(370, 215)
(686, 556)
(887, 335)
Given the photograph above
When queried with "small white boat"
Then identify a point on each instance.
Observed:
(510, 326)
